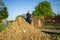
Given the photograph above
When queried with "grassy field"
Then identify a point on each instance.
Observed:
(55, 26)
(2, 27)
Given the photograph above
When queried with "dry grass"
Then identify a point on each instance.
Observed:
(21, 30)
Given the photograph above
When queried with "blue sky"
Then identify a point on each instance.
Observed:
(18, 7)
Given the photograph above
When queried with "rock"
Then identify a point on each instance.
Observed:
(4, 22)
(21, 30)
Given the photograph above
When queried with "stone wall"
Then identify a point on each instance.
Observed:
(36, 22)
(4, 22)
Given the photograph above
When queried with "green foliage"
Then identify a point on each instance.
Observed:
(43, 8)
(3, 13)
(55, 35)
(0, 20)
(2, 27)
(49, 26)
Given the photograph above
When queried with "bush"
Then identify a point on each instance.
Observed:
(2, 27)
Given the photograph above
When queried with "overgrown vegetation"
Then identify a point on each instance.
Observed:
(3, 11)
(55, 35)
(2, 27)
(55, 26)
(43, 10)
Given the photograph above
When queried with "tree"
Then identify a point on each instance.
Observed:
(43, 10)
(3, 11)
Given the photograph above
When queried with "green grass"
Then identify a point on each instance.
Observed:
(52, 27)
(2, 27)
(54, 35)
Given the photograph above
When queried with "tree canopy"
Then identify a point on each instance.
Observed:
(3, 11)
(43, 9)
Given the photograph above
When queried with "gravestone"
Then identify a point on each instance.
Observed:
(4, 22)
(36, 22)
